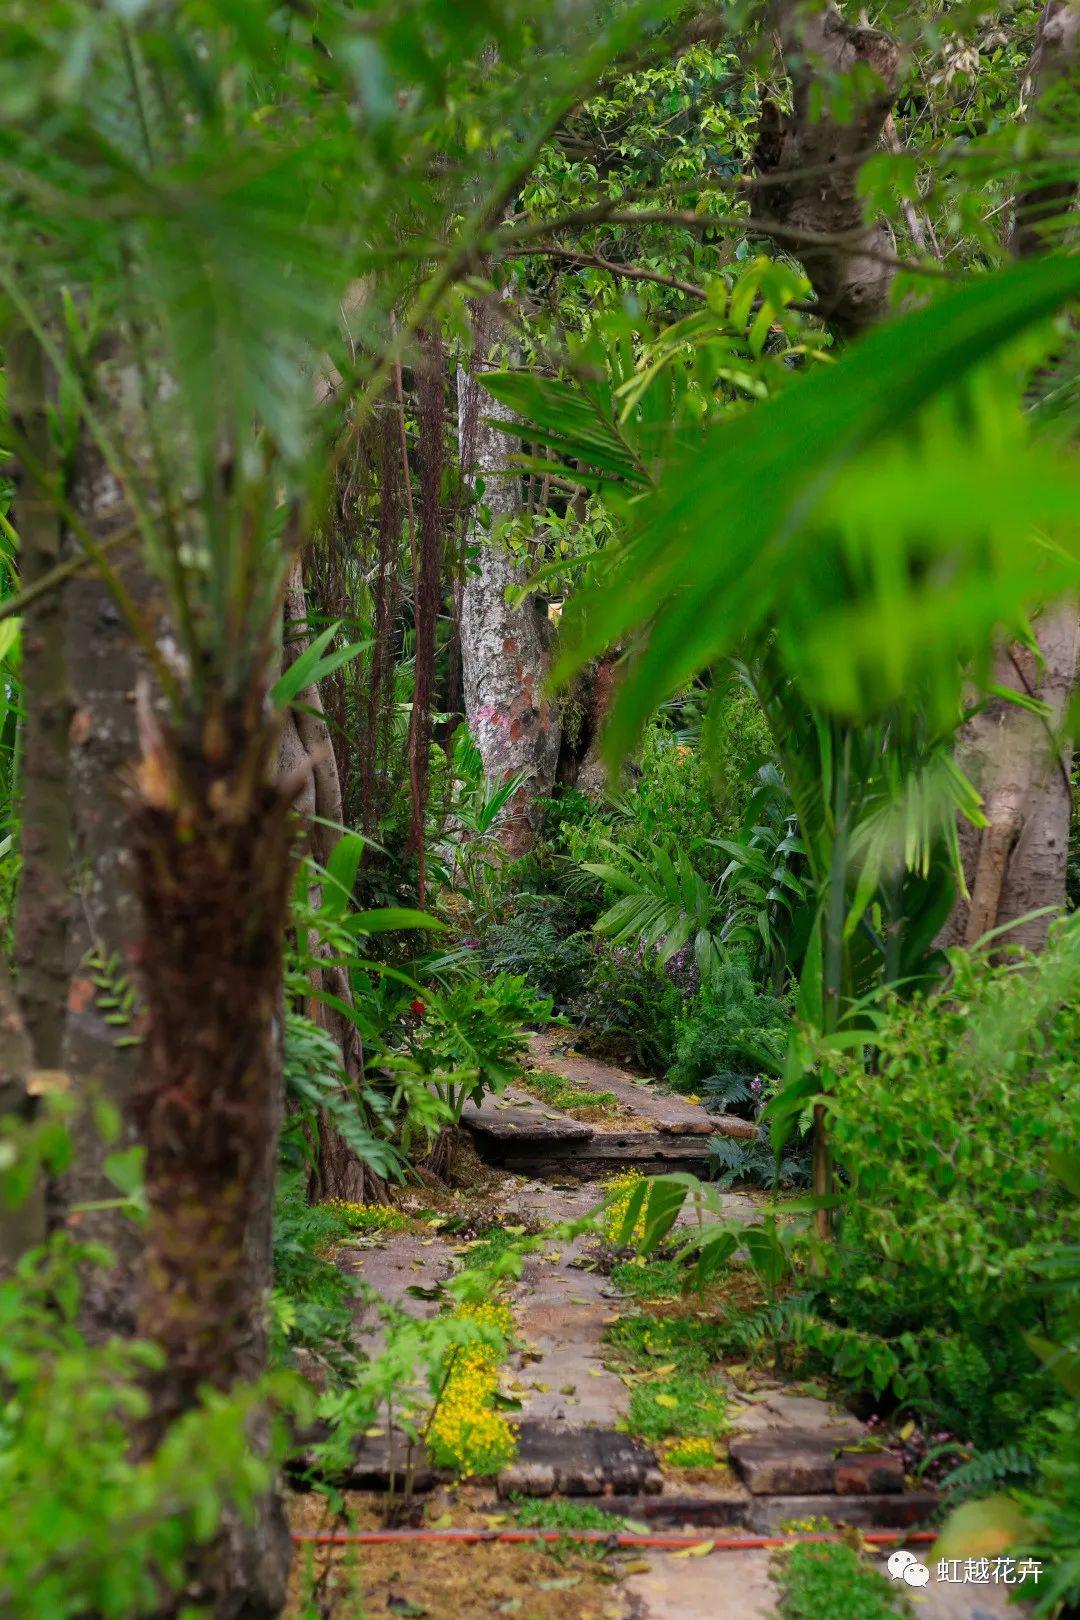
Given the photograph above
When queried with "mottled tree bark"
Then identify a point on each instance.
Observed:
(1020, 761)
(44, 903)
(504, 649)
(104, 927)
(816, 155)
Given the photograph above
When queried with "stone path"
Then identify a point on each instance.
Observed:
(739, 1586)
(787, 1448)
(666, 1111)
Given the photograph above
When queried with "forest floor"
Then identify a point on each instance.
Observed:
(612, 1368)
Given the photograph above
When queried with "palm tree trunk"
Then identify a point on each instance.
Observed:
(213, 840)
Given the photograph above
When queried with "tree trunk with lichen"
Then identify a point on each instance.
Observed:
(76, 909)
(102, 1056)
(504, 649)
(213, 839)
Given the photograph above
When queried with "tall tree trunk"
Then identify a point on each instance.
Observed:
(1021, 760)
(76, 916)
(42, 913)
(504, 649)
(306, 756)
(213, 844)
(102, 966)
(812, 158)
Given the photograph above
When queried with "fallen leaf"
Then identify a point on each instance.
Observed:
(637, 1566)
(493, 1520)
(563, 1584)
(568, 1389)
(443, 1522)
(665, 1400)
(700, 1550)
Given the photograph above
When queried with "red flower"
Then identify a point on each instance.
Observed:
(417, 1009)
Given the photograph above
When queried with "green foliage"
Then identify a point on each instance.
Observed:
(470, 1037)
(677, 1405)
(313, 1301)
(557, 1513)
(768, 505)
(538, 941)
(629, 1008)
(727, 1036)
(649, 1279)
(693, 1343)
(87, 1524)
(664, 905)
(952, 1210)
(557, 1092)
(834, 1580)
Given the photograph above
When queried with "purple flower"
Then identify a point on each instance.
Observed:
(755, 1086)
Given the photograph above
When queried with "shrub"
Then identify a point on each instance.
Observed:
(538, 941)
(469, 1037)
(726, 1036)
(629, 1008)
(952, 1210)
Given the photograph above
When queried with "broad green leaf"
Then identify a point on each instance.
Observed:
(729, 527)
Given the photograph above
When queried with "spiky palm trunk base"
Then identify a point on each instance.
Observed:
(214, 858)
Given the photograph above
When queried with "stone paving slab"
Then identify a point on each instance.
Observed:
(393, 1265)
(723, 1586)
(517, 1118)
(669, 1113)
(562, 1312)
(738, 1585)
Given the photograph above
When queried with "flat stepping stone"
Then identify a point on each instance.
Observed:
(518, 1120)
(723, 1586)
(893, 1510)
(579, 1462)
(668, 1113)
(561, 1314)
(806, 1463)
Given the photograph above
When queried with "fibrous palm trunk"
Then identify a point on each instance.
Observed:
(213, 840)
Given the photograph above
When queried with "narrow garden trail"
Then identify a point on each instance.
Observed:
(625, 1415)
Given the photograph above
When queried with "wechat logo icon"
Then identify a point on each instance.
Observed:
(904, 1566)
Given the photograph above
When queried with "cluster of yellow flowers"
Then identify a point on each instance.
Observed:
(370, 1217)
(693, 1451)
(611, 1221)
(468, 1433)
